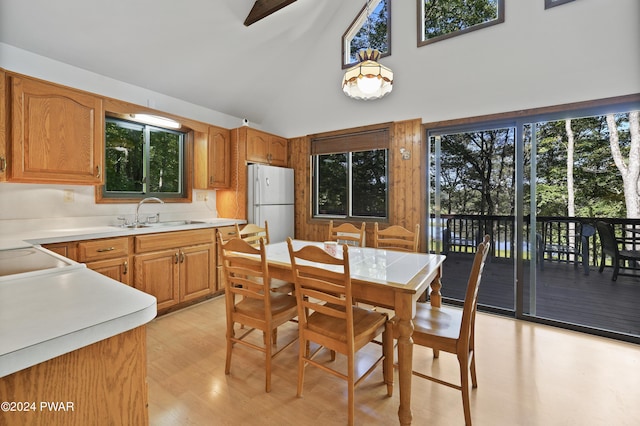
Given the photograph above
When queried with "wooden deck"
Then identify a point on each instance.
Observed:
(563, 293)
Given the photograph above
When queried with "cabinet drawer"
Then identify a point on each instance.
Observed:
(110, 248)
(227, 232)
(168, 240)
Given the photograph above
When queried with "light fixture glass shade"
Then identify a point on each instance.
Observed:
(368, 79)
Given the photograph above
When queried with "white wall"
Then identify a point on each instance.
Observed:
(20, 203)
(582, 50)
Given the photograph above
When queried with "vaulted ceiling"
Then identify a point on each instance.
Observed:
(199, 51)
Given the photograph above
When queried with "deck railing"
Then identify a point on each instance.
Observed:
(558, 239)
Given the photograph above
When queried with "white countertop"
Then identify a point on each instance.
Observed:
(44, 314)
(61, 235)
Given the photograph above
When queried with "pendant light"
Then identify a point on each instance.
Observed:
(368, 79)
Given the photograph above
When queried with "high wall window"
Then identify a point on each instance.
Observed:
(351, 183)
(439, 20)
(143, 160)
(368, 30)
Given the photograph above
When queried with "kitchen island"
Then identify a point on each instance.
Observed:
(72, 341)
(72, 348)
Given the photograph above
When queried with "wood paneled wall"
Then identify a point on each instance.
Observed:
(407, 184)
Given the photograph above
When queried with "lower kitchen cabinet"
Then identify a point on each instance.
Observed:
(118, 269)
(175, 267)
(109, 256)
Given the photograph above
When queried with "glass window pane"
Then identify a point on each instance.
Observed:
(164, 157)
(443, 19)
(369, 183)
(368, 32)
(124, 157)
(332, 188)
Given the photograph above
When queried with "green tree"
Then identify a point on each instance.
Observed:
(447, 16)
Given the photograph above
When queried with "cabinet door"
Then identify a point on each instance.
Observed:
(257, 146)
(277, 151)
(158, 274)
(219, 158)
(68, 250)
(118, 269)
(197, 269)
(3, 126)
(57, 134)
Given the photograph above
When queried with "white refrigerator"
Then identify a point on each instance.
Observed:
(270, 194)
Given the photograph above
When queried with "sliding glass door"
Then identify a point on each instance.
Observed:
(472, 183)
(538, 186)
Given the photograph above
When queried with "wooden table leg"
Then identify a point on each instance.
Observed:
(404, 313)
(435, 297)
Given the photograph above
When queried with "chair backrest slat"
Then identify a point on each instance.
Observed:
(246, 270)
(252, 233)
(396, 237)
(323, 284)
(347, 233)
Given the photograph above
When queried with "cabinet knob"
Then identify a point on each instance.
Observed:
(3, 164)
(125, 268)
(98, 172)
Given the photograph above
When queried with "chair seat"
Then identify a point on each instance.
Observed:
(367, 324)
(254, 308)
(441, 322)
(630, 254)
(281, 286)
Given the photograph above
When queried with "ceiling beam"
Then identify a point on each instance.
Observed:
(263, 8)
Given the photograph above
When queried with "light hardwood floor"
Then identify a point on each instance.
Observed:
(528, 374)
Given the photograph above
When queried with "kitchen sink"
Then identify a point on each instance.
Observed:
(174, 223)
(163, 224)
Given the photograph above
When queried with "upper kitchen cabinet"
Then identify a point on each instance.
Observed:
(266, 148)
(57, 134)
(212, 159)
(3, 125)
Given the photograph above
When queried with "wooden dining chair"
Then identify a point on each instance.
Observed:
(347, 233)
(452, 330)
(396, 237)
(252, 233)
(247, 303)
(328, 317)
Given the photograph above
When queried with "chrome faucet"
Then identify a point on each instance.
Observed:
(143, 201)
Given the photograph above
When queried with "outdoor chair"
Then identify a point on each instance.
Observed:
(622, 258)
(565, 241)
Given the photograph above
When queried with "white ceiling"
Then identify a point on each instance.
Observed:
(198, 51)
(283, 72)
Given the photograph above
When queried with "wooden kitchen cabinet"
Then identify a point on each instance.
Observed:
(212, 159)
(175, 267)
(68, 250)
(266, 148)
(57, 134)
(109, 256)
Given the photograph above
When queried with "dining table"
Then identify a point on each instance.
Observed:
(385, 278)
